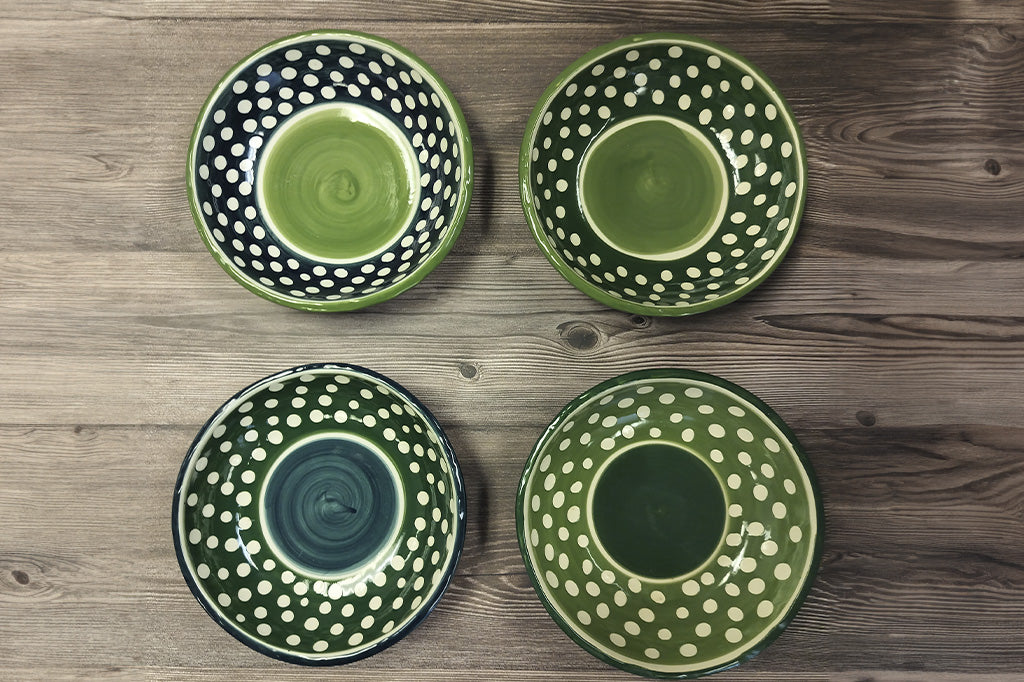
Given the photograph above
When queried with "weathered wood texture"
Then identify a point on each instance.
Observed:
(892, 339)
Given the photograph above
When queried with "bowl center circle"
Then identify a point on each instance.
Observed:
(338, 182)
(658, 510)
(331, 504)
(653, 187)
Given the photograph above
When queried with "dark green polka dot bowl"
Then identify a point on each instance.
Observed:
(330, 170)
(319, 514)
(670, 522)
(662, 174)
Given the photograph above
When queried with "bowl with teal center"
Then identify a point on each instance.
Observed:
(319, 514)
(663, 174)
(330, 170)
(670, 523)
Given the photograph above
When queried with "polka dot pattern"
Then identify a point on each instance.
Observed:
(229, 559)
(275, 84)
(725, 99)
(721, 611)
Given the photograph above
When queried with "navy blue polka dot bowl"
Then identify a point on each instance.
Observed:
(319, 514)
(330, 170)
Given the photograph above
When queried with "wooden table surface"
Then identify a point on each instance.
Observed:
(891, 339)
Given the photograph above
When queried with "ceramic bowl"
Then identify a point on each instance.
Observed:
(319, 514)
(330, 170)
(670, 523)
(662, 174)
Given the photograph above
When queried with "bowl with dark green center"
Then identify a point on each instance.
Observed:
(663, 174)
(319, 514)
(330, 170)
(670, 523)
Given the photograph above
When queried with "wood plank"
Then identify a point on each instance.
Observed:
(924, 138)
(939, 11)
(652, 15)
(645, 16)
(926, 469)
(360, 672)
(122, 168)
(900, 170)
(897, 563)
(840, 341)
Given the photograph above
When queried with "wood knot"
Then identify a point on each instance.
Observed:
(640, 321)
(866, 418)
(468, 370)
(581, 336)
(21, 577)
(992, 167)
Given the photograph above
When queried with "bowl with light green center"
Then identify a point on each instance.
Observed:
(319, 514)
(663, 174)
(330, 170)
(670, 523)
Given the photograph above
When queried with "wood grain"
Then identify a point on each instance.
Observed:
(891, 339)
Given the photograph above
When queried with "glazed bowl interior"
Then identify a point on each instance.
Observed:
(319, 515)
(663, 174)
(330, 170)
(670, 523)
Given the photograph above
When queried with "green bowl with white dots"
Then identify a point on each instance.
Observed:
(663, 174)
(670, 523)
(319, 514)
(330, 170)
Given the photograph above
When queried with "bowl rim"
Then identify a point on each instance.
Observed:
(415, 275)
(670, 373)
(459, 490)
(537, 229)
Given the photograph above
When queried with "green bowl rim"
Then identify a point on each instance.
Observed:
(671, 373)
(584, 285)
(461, 209)
(425, 608)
